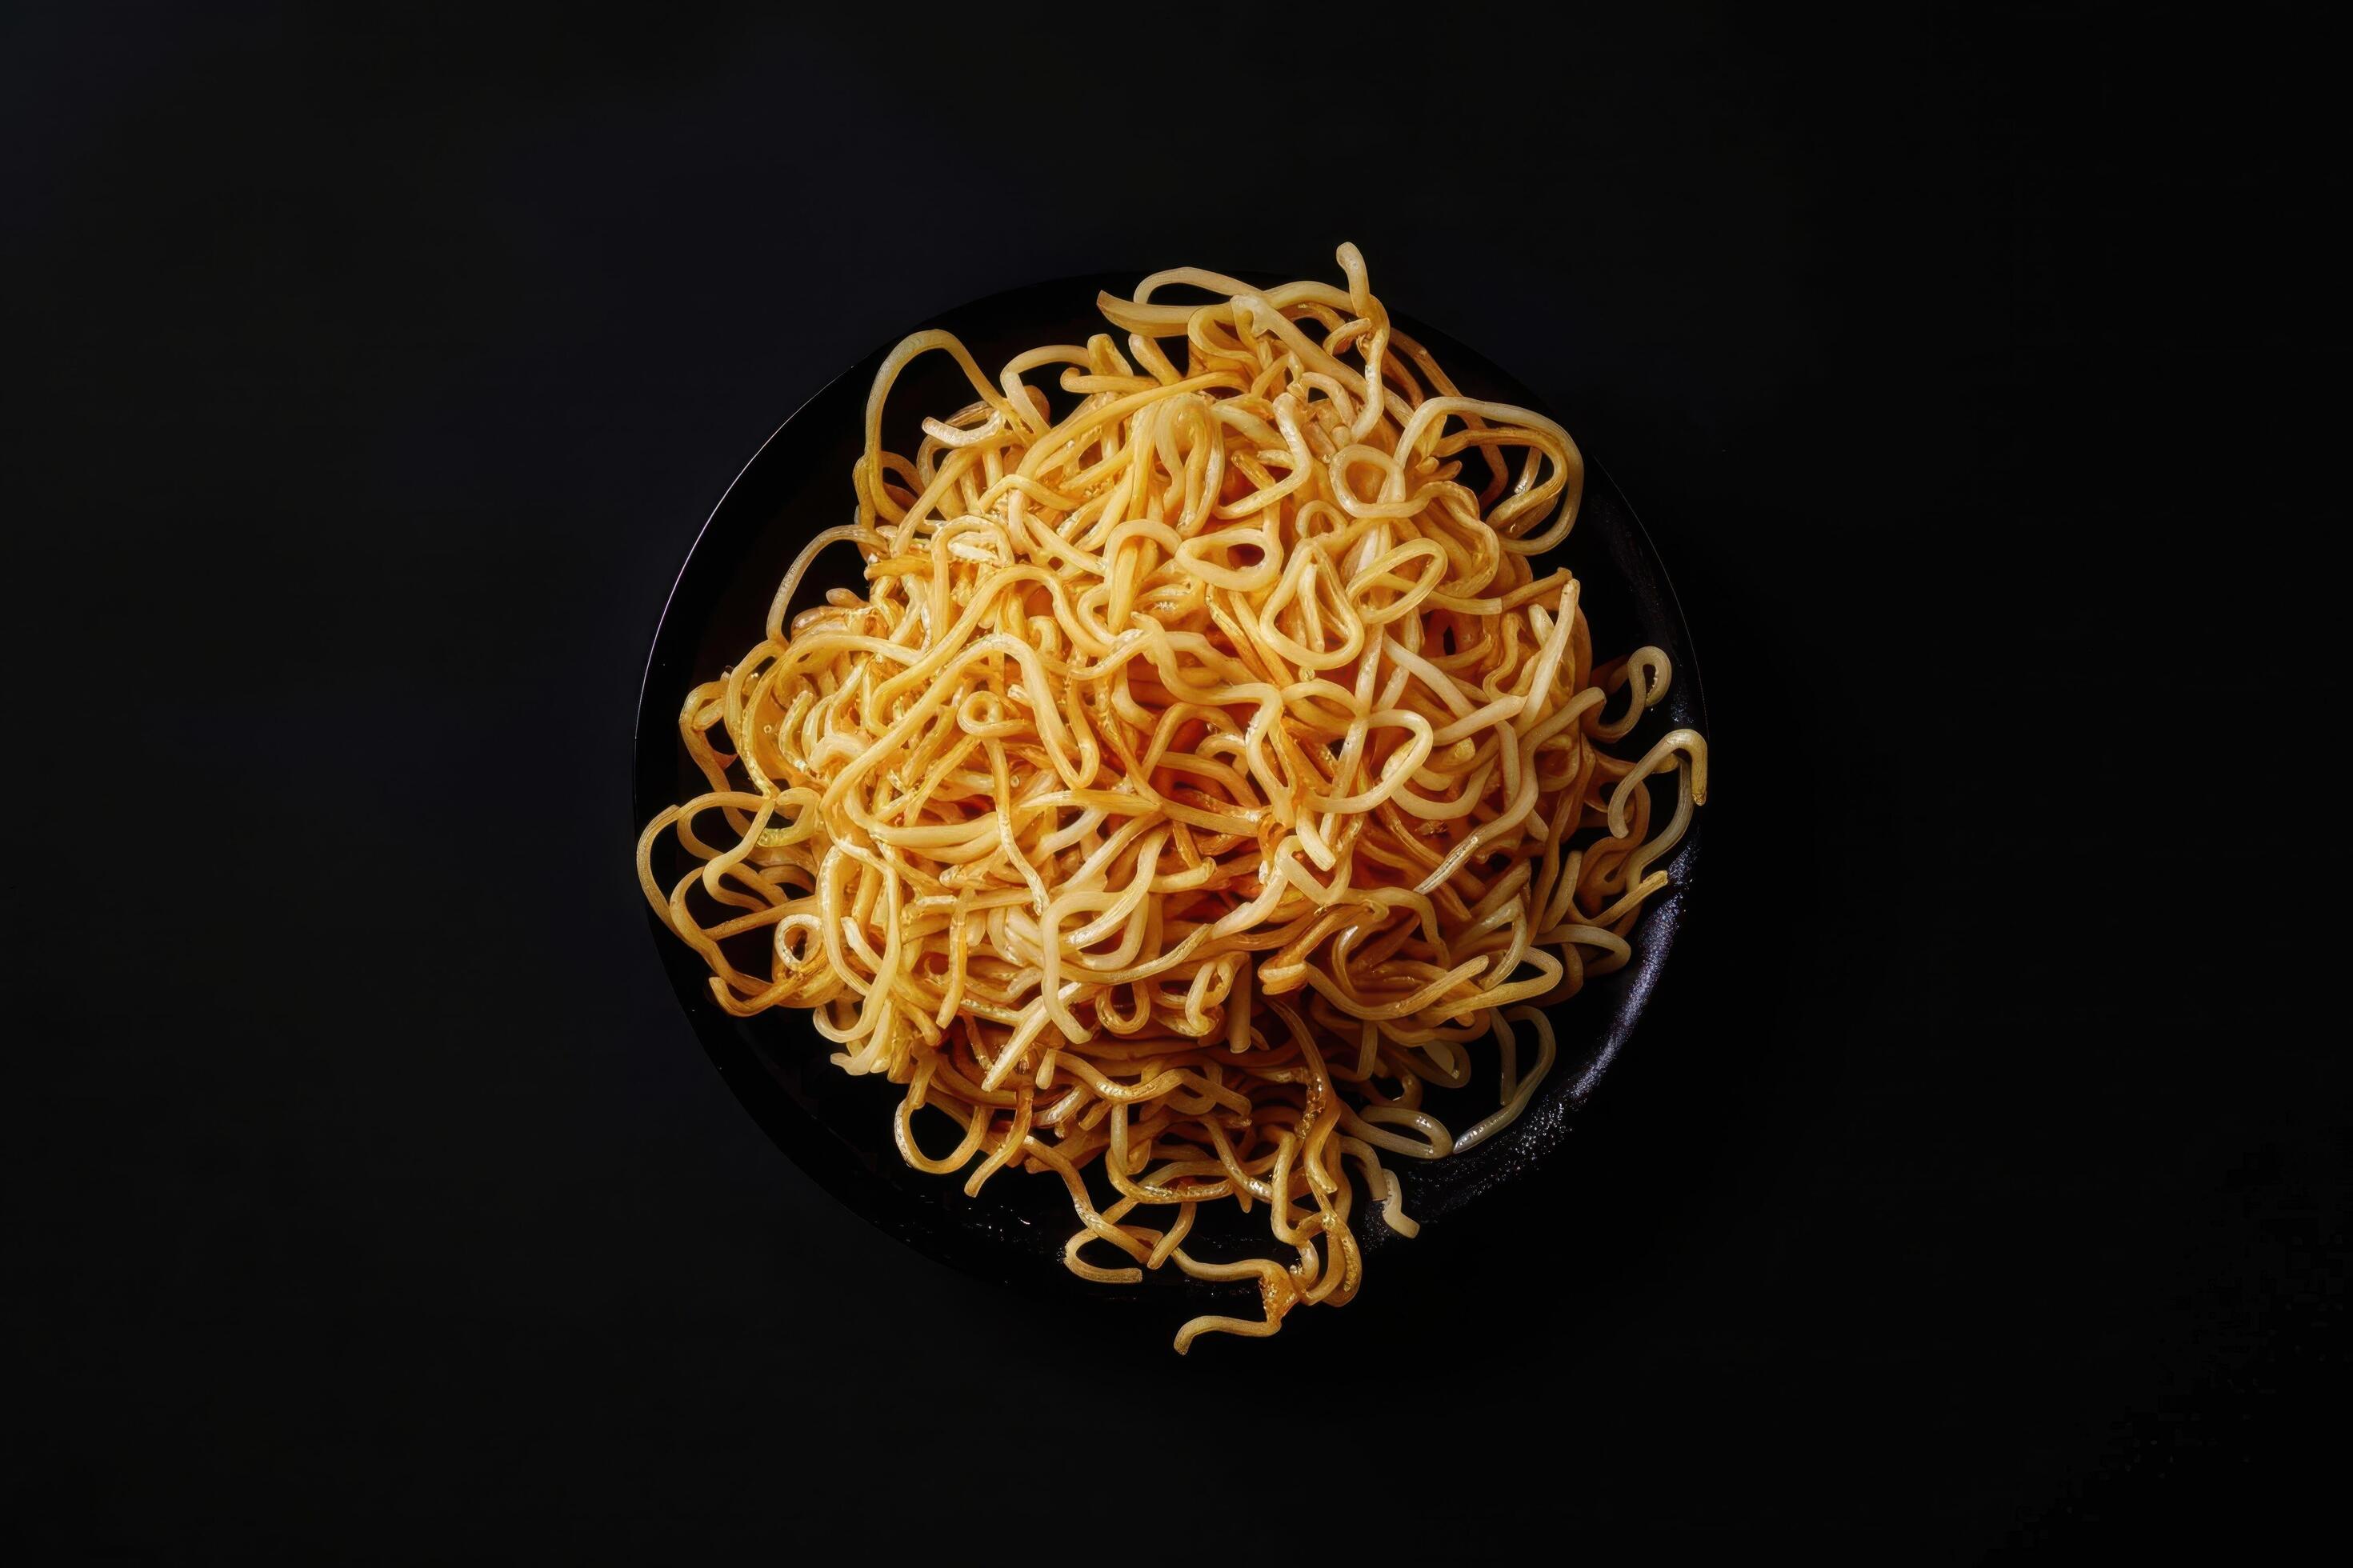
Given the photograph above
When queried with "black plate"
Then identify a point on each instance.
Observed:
(837, 1128)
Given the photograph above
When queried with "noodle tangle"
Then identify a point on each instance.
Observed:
(1204, 778)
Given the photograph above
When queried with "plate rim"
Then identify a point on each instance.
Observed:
(791, 1127)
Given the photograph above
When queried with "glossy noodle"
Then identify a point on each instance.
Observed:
(1203, 778)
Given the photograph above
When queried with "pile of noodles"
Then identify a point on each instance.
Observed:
(1204, 777)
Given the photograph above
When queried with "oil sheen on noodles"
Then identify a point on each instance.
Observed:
(1204, 777)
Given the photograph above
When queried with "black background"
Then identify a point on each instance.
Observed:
(1971, 1187)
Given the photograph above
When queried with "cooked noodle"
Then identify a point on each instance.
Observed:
(1204, 774)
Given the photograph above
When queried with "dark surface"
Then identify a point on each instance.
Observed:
(838, 1128)
(1973, 1183)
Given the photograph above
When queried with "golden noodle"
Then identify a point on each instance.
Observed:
(1203, 772)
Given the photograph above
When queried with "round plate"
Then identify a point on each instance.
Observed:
(838, 1128)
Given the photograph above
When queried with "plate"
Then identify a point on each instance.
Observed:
(837, 1128)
